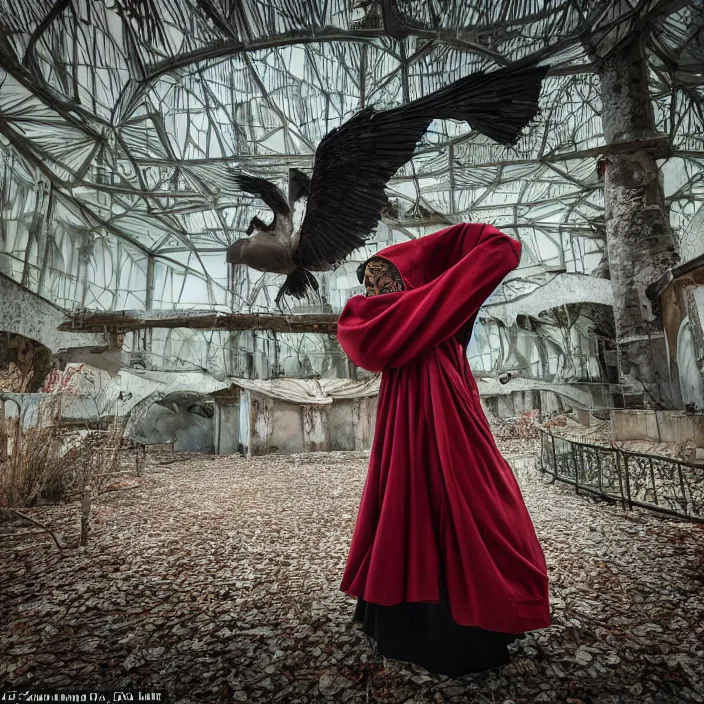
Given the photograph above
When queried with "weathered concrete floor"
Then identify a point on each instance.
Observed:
(218, 579)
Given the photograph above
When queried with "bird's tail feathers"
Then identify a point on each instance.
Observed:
(299, 284)
(497, 104)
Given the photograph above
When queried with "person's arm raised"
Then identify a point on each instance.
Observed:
(390, 330)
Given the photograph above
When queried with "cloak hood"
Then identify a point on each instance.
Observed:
(422, 260)
(447, 277)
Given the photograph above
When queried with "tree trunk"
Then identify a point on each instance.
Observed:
(639, 239)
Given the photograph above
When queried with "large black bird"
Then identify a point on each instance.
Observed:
(331, 214)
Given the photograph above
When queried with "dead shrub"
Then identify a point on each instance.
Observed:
(48, 463)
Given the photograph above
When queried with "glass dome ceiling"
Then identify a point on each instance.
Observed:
(119, 120)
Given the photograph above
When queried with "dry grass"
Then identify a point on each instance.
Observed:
(47, 463)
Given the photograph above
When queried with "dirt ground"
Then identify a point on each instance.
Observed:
(217, 579)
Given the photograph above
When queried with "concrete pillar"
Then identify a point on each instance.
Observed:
(639, 240)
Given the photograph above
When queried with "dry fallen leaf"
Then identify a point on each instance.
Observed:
(217, 578)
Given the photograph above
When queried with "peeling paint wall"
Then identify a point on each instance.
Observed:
(342, 426)
(288, 435)
(316, 431)
(226, 428)
(364, 421)
(277, 426)
(261, 419)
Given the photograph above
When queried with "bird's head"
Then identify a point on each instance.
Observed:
(235, 252)
(255, 224)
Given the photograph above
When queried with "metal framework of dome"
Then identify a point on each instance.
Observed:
(119, 121)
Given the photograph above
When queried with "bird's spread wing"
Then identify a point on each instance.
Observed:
(266, 190)
(354, 162)
(352, 166)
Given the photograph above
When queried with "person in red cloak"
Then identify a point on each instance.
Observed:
(444, 561)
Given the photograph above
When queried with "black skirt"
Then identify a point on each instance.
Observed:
(426, 634)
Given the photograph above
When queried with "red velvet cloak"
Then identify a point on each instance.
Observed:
(438, 492)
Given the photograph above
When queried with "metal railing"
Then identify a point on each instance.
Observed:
(664, 484)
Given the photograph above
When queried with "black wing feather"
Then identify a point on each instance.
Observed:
(265, 190)
(354, 162)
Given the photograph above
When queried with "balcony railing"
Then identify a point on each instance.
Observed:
(664, 484)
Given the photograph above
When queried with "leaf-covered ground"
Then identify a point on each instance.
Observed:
(217, 579)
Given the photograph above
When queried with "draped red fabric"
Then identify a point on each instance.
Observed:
(438, 493)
